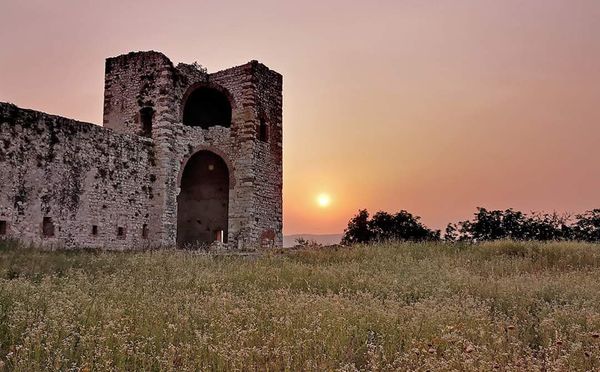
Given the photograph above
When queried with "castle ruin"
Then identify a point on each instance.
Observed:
(184, 158)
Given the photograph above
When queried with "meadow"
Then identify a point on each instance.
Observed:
(395, 306)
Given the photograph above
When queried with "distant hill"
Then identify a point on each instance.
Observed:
(325, 239)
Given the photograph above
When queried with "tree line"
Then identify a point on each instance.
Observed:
(486, 225)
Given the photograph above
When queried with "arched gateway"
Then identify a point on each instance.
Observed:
(203, 202)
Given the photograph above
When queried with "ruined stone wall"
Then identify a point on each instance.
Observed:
(92, 186)
(269, 164)
(128, 174)
(140, 80)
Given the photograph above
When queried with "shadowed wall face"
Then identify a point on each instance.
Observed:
(203, 201)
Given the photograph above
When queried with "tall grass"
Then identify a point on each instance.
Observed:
(505, 305)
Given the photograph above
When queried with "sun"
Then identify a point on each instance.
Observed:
(323, 200)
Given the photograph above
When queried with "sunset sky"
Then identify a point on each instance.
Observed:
(431, 106)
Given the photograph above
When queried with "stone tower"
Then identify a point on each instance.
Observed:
(185, 157)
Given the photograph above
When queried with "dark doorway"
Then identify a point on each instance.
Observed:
(203, 202)
(207, 107)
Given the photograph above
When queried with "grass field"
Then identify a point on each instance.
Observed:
(505, 305)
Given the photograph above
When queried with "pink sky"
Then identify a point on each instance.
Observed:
(431, 106)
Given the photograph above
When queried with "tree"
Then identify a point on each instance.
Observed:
(384, 227)
(381, 226)
(587, 227)
(451, 234)
(543, 227)
(358, 230)
(486, 225)
(511, 224)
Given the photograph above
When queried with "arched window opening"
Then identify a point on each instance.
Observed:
(206, 107)
(146, 117)
(263, 131)
(203, 202)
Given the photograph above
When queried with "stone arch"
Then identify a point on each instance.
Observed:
(203, 200)
(205, 105)
(214, 150)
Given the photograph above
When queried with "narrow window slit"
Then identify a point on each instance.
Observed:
(263, 131)
(146, 117)
(48, 227)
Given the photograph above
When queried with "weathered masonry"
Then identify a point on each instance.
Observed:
(184, 158)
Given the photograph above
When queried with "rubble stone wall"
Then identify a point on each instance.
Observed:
(76, 176)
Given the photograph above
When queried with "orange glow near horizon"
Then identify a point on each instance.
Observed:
(432, 107)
